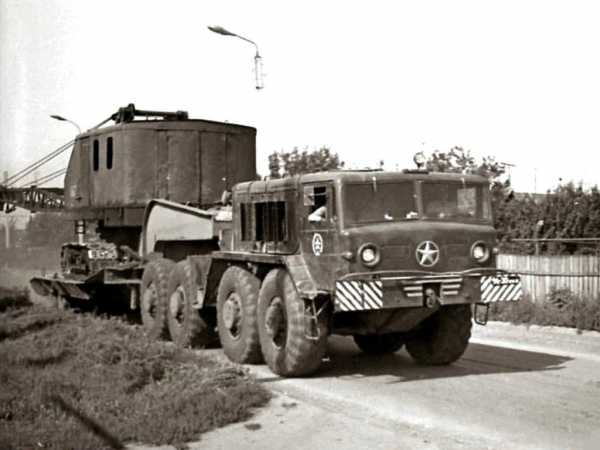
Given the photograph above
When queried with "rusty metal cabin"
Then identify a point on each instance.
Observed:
(115, 171)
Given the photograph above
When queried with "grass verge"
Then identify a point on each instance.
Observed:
(562, 308)
(13, 298)
(73, 381)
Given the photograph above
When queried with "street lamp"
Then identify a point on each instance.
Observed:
(257, 58)
(62, 119)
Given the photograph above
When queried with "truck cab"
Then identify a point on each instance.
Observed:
(386, 228)
(391, 258)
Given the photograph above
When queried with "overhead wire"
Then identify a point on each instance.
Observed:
(37, 164)
(47, 178)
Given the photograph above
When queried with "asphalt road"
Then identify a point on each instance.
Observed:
(512, 389)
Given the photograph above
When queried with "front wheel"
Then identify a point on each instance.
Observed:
(443, 337)
(379, 344)
(289, 345)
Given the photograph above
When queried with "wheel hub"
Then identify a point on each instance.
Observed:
(232, 314)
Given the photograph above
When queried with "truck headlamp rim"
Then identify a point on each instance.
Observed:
(480, 252)
(369, 254)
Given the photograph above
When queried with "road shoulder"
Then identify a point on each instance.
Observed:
(551, 340)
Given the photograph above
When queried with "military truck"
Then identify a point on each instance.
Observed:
(272, 267)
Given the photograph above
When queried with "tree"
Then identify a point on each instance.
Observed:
(459, 160)
(283, 164)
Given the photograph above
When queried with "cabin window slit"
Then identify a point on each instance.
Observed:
(109, 153)
(96, 155)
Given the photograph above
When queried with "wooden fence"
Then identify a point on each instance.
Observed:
(539, 274)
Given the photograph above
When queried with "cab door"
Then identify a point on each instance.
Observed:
(318, 221)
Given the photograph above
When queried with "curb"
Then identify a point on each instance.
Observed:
(546, 329)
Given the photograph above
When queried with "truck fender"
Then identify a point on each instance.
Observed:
(305, 283)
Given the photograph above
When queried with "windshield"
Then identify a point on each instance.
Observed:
(379, 202)
(451, 201)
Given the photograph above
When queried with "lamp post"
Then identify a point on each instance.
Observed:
(62, 119)
(257, 58)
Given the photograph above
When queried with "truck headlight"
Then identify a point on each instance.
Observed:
(480, 252)
(369, 254)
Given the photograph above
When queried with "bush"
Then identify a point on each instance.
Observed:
(562, 308)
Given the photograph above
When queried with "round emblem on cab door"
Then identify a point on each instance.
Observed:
(317, 244)
(428, 253)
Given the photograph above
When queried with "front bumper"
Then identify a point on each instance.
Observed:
(408, 289)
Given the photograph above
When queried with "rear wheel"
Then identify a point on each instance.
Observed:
(153, 304)
(379, 344)
(290, 348)
(186, 326)
(442, 338)
(236, 316)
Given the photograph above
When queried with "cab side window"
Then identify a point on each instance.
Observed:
(318, 203)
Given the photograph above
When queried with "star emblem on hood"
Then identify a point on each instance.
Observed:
(428, 253)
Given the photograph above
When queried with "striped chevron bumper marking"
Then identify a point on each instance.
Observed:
(502, 288)
(358, 295)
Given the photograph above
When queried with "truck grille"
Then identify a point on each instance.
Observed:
(448, 286)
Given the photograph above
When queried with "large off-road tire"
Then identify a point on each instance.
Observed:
(379, 344)
(285, 334)
(237, 299)
(153, 299)
(442, 338)
(186, 326)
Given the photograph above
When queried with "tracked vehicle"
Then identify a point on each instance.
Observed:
(271, 268)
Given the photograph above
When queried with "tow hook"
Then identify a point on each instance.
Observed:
(431, 298)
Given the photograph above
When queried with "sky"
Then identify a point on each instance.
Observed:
(376, 80)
